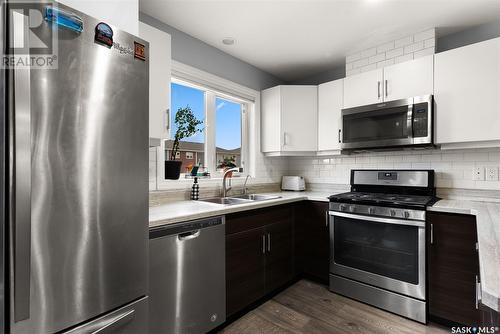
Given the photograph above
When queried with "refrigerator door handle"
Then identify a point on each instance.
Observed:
(20, 185)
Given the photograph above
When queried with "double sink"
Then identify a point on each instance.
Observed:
(240, 199)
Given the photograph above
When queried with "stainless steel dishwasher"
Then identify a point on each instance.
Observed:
(187, 289)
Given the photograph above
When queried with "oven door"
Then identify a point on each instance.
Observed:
(378, 125)
(383, 252)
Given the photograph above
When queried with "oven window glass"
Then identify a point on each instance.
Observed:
(384, 249)
(376, 125)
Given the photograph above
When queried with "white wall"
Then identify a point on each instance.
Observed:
(453, 168)
(124, 14)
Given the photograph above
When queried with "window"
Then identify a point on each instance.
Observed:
(184, 96)
(220, 143)
(228, 124)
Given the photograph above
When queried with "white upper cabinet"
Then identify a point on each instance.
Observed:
(364, 88)
(400, 81)
(289, 120)
(330, 97)
(467, 95)
(409, 79)
(159, 80)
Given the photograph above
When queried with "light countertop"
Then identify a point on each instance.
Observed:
(488, 235)
(180, 211)
(487, 216)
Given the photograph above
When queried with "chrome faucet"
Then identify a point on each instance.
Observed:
(225, 188)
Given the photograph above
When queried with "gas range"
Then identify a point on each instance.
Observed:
(377, 239)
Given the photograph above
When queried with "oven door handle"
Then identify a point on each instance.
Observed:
(416, 223)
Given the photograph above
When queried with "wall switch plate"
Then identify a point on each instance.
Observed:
(491, 173)
(478, 174)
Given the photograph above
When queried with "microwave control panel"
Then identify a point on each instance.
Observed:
(420, 120)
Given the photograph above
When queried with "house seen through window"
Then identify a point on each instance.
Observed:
(218, 145)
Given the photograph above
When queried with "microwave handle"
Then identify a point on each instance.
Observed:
(340, 135)
(409, 121)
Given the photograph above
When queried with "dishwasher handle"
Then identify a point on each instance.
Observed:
(188, 235)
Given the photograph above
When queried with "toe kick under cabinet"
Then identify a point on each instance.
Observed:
(259, 254)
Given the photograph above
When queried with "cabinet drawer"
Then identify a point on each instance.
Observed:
(247, 220)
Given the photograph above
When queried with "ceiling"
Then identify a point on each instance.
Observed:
(296, 39)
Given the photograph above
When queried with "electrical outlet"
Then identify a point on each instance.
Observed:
(478, 174)
(491, 174)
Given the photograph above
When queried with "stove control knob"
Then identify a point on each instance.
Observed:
(371, 211)
(352, 208)
(342, 207)
(407, 214)
(393, 213)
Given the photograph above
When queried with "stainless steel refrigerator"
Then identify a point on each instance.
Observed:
(74, 175)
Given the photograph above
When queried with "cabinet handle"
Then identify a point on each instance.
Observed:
(269, 242)
(263, 244)
(284, 139)
(432, 234)
(378, 89)
(478, 292)
(340, 132)
(327, 216)
(167, 113)
(385, 89)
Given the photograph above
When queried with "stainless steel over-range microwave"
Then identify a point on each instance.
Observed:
(394, 124)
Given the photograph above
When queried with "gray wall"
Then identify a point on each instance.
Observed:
(469, 36)
(192, 51)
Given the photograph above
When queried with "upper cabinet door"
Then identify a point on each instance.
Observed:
(159, 80)
(467, 94)
(299, 107)
(271, 120)
(409, 79)
(330, 97)
(364, 88)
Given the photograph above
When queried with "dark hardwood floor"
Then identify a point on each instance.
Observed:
(310, 308)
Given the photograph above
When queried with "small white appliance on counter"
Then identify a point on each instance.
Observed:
(295, 183)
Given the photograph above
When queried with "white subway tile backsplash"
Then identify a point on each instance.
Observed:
(414, 47)
(385, 47)
(353, 71)
(353, 57)
(428, 43)
(368, 68)
(424, 52)
(404, 49)
(394, 53)
(403, 41)
(377, 58)
(368, 52)
(360, 63)
(401, 59)
(385, 63)
(430, 33)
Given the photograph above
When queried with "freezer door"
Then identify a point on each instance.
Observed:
(83, 252)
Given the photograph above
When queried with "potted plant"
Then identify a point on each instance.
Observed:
(187, 126)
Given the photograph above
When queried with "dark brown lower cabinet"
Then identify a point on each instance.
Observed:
(312, 240)
(279, 259)
(259, 254)
(453, 266)
(245, 269)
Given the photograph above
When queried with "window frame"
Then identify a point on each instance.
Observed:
(209, 126)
